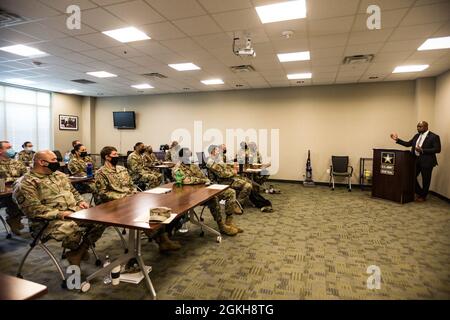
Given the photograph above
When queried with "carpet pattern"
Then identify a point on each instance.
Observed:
(317, 244)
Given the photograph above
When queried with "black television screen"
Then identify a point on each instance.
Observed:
(124, 120)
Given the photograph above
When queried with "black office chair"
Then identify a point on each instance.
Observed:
(160, 155)
(58, 154)
(340, 168)
(201, 160)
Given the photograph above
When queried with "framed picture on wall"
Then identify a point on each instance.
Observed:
(68, 122)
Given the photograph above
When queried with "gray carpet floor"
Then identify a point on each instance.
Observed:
(317, 244)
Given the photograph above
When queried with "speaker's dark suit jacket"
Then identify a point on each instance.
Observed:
(430, 146)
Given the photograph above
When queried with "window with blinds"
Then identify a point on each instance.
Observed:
(25, 116)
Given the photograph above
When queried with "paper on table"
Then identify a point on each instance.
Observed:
(217, 186)
(134, 277)
(253, 170)
(146, 218)
(158, 190)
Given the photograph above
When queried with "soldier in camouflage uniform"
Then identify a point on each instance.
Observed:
(254, 157)
(47, 194)
(193, 175)
(225, 174)
(113, 182)
(11, 170)
(26, 155)
(138, 172)
(172, 153)
(150, 161)
(77, 167)
(72, 152)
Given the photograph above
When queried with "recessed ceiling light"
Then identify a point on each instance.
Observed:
(294, 56)
(101, 74)
(142, 86)
(23, 50)
(411, 68)
(296, 76)
(19, 81)
(282, 11)
(212, 81)
(72, 91)
(435, 43)
(128, 34)
(184, 66)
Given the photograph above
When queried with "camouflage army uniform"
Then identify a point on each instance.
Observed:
(254, 157)
(112, 184)
(26, 157)
(77, 167)
(139, 173)
(196, 176)
(225, 174)
(172, 154)
(42, 196)
(12, 170)
(150, 160)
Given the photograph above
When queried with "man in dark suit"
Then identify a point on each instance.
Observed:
(424, 145)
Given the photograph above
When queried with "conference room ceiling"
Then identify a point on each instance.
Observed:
(201, 32)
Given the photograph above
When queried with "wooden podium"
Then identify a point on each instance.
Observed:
(394, 175)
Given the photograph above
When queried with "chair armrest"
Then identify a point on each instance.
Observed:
(351, 170)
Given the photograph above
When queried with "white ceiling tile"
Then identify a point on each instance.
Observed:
(175, 9)
(214, 41)
(162, 31)
(393, 46)
(99, 40)
(28, 9)
(125, 51)
(181, 45)
(10, 35)
(443, 31)
(368, 48)
(62, 5)
(59, 23)
(415, 32)
(389, 19)
(334, 61)
(72, 44)
(323, 42)
(385, 4)
(238, 20)
(428, 14)
(330, 26)
(102, 20)
(214, 6)
(290, 45)
(198, 25)
(38, 30)
(78, 58)
(135, 12)
(391, 57)
(369, 36)
(100, 55)
(327, 53)
(274, 30)
(321, 9)
(106, 2)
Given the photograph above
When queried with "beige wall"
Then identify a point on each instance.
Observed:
(330, 120)
(441, 175)
(68, 105)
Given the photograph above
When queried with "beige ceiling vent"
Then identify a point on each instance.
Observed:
(242, 68)
(359, 59)
(154, 75)
(9, 18)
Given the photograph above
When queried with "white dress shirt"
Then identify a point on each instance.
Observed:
(420, 140)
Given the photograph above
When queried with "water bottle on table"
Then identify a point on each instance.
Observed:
(107, 278)
(90, 170)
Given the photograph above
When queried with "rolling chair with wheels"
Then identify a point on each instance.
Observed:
(8, 231)
(340, 168)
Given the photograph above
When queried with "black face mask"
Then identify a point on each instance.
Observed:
(83, 154)
(224, 151)
(53, 166)
(114, 160)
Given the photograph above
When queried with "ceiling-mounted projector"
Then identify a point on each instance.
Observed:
(244, 51)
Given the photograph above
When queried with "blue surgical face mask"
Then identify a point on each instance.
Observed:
(10, 153)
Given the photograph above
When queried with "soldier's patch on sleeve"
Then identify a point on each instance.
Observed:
(20, 199)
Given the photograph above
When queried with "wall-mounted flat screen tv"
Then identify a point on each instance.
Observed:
(124, 120)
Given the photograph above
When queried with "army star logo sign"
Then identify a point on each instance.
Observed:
(387, 163)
